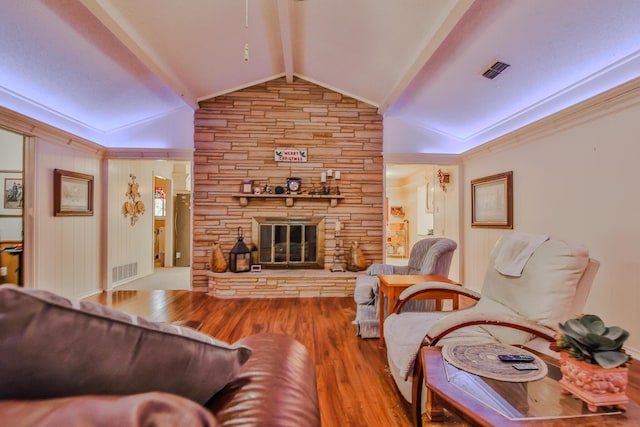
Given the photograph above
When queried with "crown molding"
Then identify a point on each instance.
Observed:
(422, 158)
(149, 154)
(18, 123)
(609, 102)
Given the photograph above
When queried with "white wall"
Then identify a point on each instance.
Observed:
(132, 243)
(447, 214)
(11, 146)
(576, 177)
(67, 252)
(68, 255)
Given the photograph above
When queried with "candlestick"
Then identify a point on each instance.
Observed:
(337, 174)
(329, 172)
(323, 177)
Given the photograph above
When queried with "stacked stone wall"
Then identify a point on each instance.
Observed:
(236, 136)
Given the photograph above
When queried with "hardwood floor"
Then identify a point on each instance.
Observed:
(354, 385)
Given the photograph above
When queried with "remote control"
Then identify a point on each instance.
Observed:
(525, 366)
(515, 358)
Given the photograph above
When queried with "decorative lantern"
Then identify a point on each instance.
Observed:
(240, 255)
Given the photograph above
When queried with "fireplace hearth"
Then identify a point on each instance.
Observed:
(289, 242)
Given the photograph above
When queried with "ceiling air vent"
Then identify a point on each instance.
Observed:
(495, 69)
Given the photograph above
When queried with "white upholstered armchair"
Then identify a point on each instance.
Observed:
(546, 283)
(428, 256)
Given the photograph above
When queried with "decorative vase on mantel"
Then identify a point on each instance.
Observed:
(217, 262)
(356, 260)
(593, 384)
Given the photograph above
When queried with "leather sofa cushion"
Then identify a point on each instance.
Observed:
(55, 347)
(276, 387)
(138, 410)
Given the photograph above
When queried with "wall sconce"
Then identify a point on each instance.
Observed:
(134, 206)
(443, 177)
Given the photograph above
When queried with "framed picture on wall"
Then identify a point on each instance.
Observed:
(397, 211)
(12, 193)
(492, 201)
(72, 193)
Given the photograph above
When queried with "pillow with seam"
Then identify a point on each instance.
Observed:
(52, 349)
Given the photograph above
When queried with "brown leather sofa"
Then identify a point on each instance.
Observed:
(275, 387)
(77, 363)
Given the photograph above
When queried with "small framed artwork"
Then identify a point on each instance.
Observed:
(492, 201)
(397, 211)
(247, 186)
(72, 193)
(12, 193)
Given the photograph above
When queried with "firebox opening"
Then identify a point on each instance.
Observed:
(289, 242)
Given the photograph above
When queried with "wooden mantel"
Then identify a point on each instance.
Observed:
(289, 198)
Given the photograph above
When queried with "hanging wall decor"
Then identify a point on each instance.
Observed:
(134, 206)
(72, 193)
(492, 201)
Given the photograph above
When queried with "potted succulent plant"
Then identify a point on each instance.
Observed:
(593, 362)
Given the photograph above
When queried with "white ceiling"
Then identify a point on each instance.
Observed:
(110, 70)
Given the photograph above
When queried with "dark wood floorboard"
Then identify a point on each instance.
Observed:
(354, 384)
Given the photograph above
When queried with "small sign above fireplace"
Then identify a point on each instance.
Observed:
(291, 154)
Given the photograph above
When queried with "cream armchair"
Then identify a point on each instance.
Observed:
(552, 286)
(428, 256)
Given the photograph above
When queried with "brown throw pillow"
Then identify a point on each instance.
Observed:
(55, 347)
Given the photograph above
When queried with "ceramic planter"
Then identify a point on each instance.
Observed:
(595, 385)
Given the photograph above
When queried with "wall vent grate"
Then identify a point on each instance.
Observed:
(122, 272)
(495, 69)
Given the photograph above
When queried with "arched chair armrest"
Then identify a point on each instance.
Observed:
(462, 319)
(424, 288)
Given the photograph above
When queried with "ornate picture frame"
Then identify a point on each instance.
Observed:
(492, 201)
(72, 193)
(12, 193)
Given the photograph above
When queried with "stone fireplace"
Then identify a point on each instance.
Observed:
(289, 242)
(236, 136)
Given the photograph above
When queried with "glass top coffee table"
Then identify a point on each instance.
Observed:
(487, 402)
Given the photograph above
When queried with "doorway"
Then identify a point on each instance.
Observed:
(182, 229)
(162, 189)
(420, 206)
(12, 185)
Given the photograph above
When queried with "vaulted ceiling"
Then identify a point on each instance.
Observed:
(111, 70)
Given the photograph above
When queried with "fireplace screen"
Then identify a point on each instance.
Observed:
(289, 242)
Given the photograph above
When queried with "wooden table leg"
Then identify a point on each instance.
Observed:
(433, 407)
(391, 300)
(381, 317)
